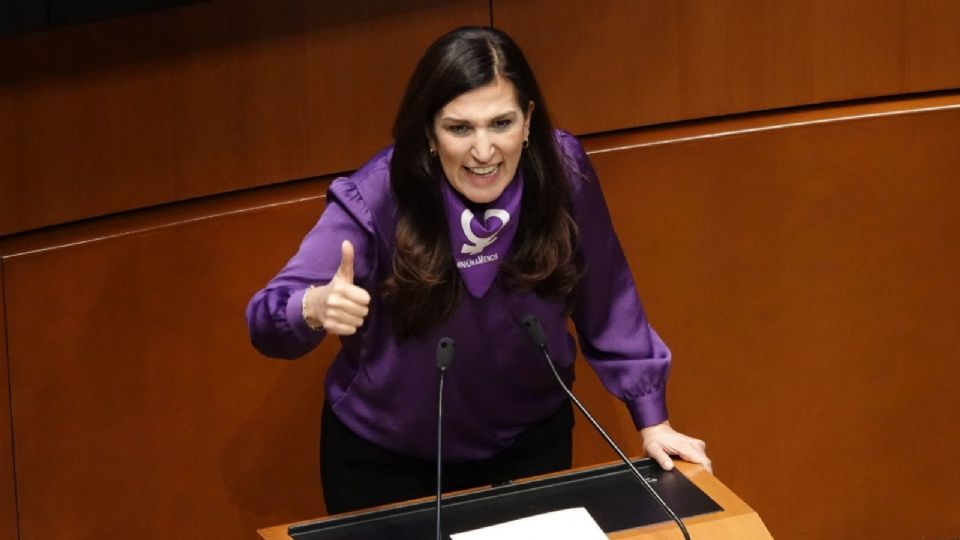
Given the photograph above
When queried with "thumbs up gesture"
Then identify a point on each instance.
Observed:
(338, 307)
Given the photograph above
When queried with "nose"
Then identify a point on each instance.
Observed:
(482, 149)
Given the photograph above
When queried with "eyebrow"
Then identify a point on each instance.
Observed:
(500, 116)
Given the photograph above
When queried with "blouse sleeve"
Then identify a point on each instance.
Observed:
(615, 337)
(274, 314)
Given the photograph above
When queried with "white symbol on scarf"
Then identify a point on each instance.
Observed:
(479, 243)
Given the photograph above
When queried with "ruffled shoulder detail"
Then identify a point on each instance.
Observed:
(366, 195)
(578, 168)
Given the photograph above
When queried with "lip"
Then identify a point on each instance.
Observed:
(485, 179)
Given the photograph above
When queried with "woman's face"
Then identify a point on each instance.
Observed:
(479, 139)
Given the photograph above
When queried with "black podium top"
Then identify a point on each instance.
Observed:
(612, 495)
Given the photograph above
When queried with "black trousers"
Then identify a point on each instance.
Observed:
(358, 474)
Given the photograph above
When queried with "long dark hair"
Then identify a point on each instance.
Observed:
(425, 287)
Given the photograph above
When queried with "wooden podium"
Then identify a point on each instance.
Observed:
(729, 517)
(735, 521)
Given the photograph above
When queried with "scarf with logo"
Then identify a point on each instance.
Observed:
(480, 243)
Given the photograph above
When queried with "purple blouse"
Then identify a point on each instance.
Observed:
(384, 389)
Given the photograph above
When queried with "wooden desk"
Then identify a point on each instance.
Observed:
(736, 522)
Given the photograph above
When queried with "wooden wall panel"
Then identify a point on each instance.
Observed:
(209, 98)
(139, 403)
(8, 494)
(805, 276)
(807, 288)
(616, 64)
(806, 279)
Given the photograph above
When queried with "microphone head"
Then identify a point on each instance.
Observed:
(445, 350)
(534, 331)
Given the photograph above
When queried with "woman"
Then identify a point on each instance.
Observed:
(479, 215)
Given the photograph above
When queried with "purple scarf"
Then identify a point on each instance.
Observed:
(478, 247)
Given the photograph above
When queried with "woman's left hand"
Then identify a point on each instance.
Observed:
(662, 441)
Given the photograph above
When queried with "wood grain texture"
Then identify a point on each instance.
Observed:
(804, 274)
(619, 64)
(221, 96)
(209, 98)
(138, 400)
(801, 266)
(8, 479)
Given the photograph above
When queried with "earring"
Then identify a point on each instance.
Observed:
(526, 143)
(433, 152)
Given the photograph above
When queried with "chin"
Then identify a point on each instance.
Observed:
(483, 196)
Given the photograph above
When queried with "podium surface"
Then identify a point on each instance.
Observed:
(619, 504)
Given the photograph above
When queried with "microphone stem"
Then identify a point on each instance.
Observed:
(439, 449)
(623, 457)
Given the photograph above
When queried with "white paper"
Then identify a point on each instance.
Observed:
(569, 524)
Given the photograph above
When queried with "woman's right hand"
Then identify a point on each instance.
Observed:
(338, 307)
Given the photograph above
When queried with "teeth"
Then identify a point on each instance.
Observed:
(483, 170)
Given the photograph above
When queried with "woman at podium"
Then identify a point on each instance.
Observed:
(478, 215)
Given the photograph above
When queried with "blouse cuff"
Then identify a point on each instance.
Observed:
(649, 410)
(295, 318)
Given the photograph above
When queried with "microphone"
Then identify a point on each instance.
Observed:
(536, 335)
(445, 349)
